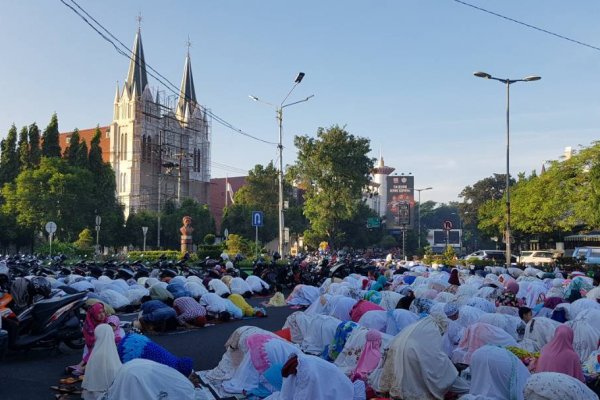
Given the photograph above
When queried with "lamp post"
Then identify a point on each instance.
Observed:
(507, 82)
(419, 214)
(279, 114)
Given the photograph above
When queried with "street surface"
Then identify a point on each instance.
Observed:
(28, 376)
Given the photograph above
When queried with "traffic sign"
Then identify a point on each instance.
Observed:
(374, 222)
(226, 233)
(98, 220)
(257, 218)
(51, 227)
(447, 225)
(144, 230)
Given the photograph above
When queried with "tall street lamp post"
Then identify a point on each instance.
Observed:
(419, 214)
(507, 82)
(279, 114)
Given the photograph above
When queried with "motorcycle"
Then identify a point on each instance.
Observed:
(47, 323)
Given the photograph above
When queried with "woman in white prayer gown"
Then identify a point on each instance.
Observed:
(507, 322)
(496, 374)
(264, 352)
(145, 379)
(416, 367)
(374, 319)
(340, 307)
(468, 315)
(320, 333)
(586, 337)
(298, 322)
(582, 304)
(389, 299)
(540, 330)
(350, 354)
(478, 335)
(316, 379)
(398, 320)
(235, 348)
(103, 364)
(556, 386)
(302, 295)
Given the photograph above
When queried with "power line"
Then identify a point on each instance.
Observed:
(154, 73)
(528, 25)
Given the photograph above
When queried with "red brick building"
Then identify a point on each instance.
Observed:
(217, 193)
(86, 136)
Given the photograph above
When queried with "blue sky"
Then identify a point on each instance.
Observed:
(398, 72)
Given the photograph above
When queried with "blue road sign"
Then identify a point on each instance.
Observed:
(257, 218)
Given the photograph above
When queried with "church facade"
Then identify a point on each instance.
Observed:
(158, 145)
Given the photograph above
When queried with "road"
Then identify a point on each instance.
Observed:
(28, 376)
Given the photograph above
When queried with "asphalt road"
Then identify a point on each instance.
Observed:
(28, 376)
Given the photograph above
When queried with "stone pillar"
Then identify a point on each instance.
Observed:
(186, 235)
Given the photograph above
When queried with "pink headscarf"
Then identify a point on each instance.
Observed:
(362, 307)
(559, 356)
(91, 322)
(512, 286)
(369, 358)
(116, 323)
(258, 355)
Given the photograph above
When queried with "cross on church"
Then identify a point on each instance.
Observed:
(139, 20)
(188, 43)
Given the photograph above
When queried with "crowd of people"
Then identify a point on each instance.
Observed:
(418, 332)
(404, 331)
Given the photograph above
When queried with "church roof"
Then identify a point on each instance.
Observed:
(187, 93)
(137, 79)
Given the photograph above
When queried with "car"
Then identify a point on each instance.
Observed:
(537, 257)
(589, 255)
(498, 256)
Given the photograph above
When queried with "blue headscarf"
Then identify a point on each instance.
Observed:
(343, 331)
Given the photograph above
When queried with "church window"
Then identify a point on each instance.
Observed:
(125, 147)
(143, 148)
(149, 152)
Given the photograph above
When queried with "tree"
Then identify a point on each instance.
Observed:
(334, 168)
(50, 144)
(70, 153)
(172, 217)
(34, 145)
(95, 161)
(23, 149)
(9, 158)
(85, 240)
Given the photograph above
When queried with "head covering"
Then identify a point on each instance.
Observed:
(399, 319)
(104, 362)
(342, 332)
(552, 302)
(421, 306)
(321, 331)
(91, 322)
(540, 330)
(450, 309)
(553, 385)
(512, 287)
(360, 308)
(559, 355)
(380, 283)
(145, 379)
(135, 346)
(497, 373)
(116, 323)
(416, 367)
(340, 307)
(370, 356)
(454, 279)
(478, 335)
(586, 337)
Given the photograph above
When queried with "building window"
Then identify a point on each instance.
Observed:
(68, 140)
(149, 144)
(143, 147)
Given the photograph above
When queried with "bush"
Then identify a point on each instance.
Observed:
(209, 239)
(152, 256)
(85, 241)
(210, 251)
(388, 241)
(68, 249)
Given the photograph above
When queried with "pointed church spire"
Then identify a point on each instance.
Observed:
(187, 93)
(136, 76)
(543, 169)
(117, 93)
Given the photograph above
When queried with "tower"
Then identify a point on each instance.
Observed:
(380, 173)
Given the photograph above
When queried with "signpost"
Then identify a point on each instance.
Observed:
(257, 220)
(373, 223)
(98, 222)
(144, 231)
(447, 225)
(50, 228)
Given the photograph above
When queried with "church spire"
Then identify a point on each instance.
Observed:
(136, 76)
(187, 93)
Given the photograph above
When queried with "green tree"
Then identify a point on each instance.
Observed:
(172, 217)
(9, 158)
(50, 143)
(334, 168)
(23, 149)
(34, 145)
(236, 244)
(85, 240)
(70, 153)
(54, 191)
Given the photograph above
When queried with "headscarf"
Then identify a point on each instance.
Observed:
(373, 296)
(454, 279)
(370, 356)
(104, 362)
(399, 319)
(380, 283)
(553, 385)
(321, 331)
(586, 337)
(552, 302)
(559, 355)
(416, 367)
(540, 330)
(497, 373)
(242, 304)
(135, 346)
(91, 322)
(145, 379)
(360, 308)
(450, 309)
(421, 306)
(340, 307)
(478, 335)
(157, 292)
(116, 323)
(512, 287)
(342, 332)
(374, 319)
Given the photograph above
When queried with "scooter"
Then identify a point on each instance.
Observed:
(47, 323)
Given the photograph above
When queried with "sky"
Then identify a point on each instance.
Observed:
(399, 72)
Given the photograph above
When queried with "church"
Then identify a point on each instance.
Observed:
(157, 144)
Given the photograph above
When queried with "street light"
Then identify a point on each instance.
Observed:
(507, 82)
(279, 113)
(419, 214)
